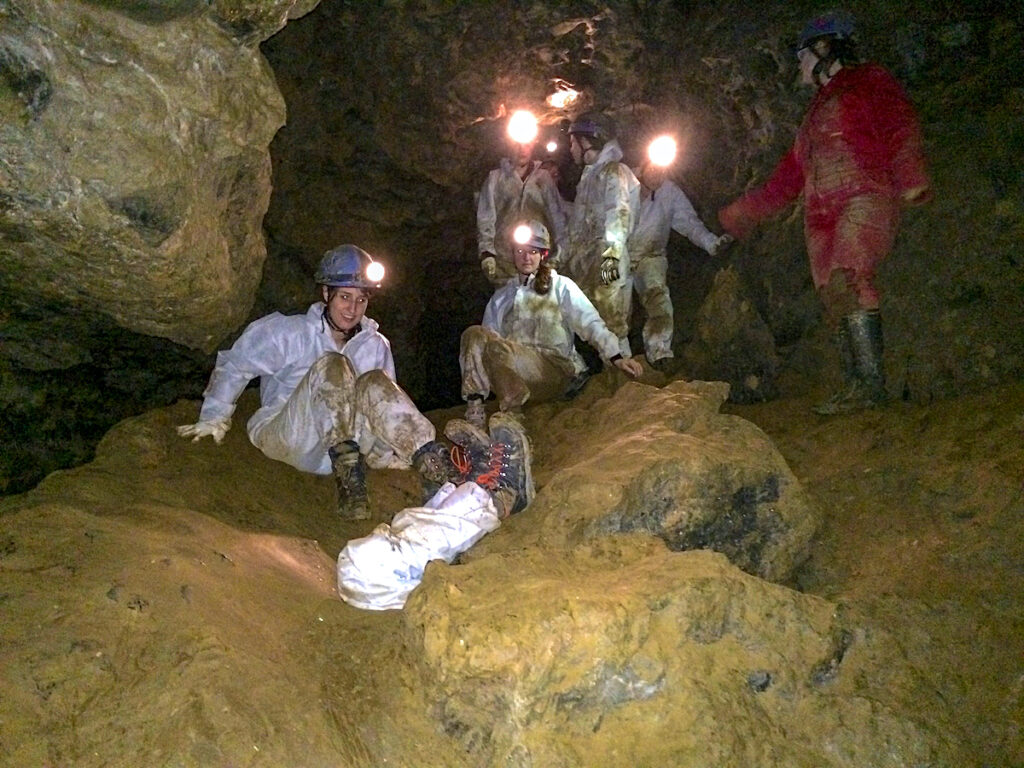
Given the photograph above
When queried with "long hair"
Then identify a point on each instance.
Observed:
(542, 280)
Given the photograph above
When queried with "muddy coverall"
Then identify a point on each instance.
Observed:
(663, 210)
(377, 572)
(524, 348)
(315, 395)
(857, 152)
(603, 214)
(505, 201)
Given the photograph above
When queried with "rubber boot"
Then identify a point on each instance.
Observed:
(866, 342)
(863, 365)
(349, 468)
(844, 347)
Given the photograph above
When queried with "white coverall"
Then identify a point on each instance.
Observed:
(505, 201)
(664, 209)
(524, 348)
(314, 394)
(377, 572)
(603, 215)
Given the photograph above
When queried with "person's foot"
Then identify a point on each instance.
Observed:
(349, 469)
(511, 461)
(665, 365)
(576, 385)
(855, 397)
(436, 467)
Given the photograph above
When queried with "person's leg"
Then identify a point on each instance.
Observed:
(476, 382)
(519, 372)
(384, 413)
(862, 234)
(651, 281)
(319, 414)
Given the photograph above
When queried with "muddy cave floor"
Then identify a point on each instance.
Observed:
(923, 509)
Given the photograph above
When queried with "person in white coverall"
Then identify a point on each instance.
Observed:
(379, 571)
(519, 188)
(524, 350)
(328, 397)
(603, 215)
(663, 207)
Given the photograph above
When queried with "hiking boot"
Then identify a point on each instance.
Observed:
(576, 385)
(507, 473)
(433, 462)
(349, 469)
(476, 414)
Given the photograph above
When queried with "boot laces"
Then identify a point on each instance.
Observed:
(491, 479)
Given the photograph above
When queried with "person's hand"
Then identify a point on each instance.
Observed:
(489, 265)
(609, 265)
(735, 220)
(215, 429)
(722, 243)
(629, 366)
(917, 195)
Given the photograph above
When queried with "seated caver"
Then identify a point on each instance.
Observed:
(328, 399)
(524, 349)
(377, 572)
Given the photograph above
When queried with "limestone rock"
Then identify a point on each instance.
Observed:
(622, 653)
(136, 169)
(665, 461)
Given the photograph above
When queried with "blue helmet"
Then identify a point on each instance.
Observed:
(349, 266)
(594, 125)
(834, 24)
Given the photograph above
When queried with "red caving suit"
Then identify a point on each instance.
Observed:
(857, 152)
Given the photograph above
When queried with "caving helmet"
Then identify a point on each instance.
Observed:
(533, 234)
(835, 25)
(595, 126)
(349, 266)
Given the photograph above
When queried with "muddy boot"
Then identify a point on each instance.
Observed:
(349, 468)
(848, 389)
(476, 414)
(860, 351)
(433, 461)
(501, 465)
(866, 342)
(576, 385)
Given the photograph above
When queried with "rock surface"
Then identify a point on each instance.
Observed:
(136, 169)
(173, 603)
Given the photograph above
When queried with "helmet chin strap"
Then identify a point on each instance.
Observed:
(334, 326)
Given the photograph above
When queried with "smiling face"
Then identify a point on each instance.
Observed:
(346, 305)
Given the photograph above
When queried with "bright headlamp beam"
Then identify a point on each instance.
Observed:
(522, 127)
(662, 151)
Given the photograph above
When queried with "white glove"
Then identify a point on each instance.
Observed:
(721, 244)
(490, 267)
(215, 429)
(609, 266)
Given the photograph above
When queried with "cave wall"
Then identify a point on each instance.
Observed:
(134, 176)
(395, 117)
(136, 170)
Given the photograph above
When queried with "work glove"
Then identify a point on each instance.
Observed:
(721, 244)
(489, 265)
(215, 429)
(609, 266)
